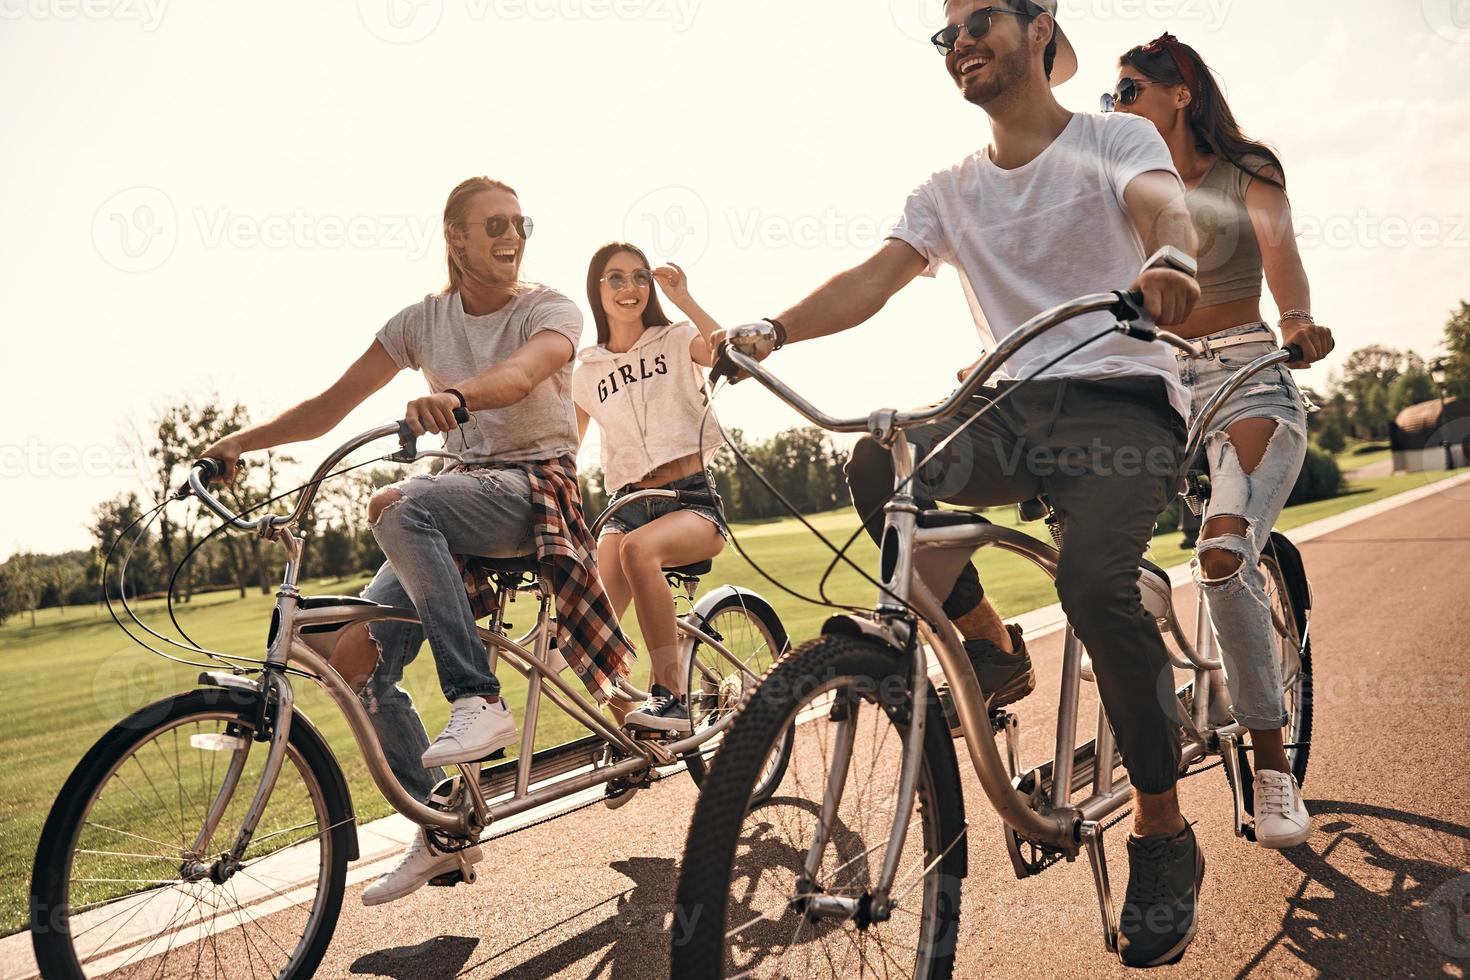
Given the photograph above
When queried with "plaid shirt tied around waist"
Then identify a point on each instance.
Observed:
(587, 633)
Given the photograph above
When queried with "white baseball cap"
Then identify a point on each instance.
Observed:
(1065, 65)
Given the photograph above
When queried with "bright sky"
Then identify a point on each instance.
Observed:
(231, 198)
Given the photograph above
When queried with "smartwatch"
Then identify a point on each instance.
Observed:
(1170, 257)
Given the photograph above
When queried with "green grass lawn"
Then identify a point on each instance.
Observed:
(1360, 454)
(73, 675)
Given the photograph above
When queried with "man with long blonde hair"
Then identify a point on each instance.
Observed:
(501, 349)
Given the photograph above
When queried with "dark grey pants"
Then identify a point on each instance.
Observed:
(1105, 453)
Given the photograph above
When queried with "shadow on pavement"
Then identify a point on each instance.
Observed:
(633, 943)
(1384, 892)
(440, 958)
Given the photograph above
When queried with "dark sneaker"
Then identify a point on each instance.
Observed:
(1004, 677)
(1159, 911)
(662, 712)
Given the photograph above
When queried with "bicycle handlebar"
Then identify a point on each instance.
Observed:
(206, 469)
(1127, 307)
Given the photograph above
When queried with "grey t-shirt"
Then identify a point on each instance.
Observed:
(438, 338)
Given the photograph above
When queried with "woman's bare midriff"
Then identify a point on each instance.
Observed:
(1206, 320)
(674, 470)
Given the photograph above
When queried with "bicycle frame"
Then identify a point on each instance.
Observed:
(913, 555)
(288, 652)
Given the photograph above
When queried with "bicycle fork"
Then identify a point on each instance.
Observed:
(276, 703)
(875, 905)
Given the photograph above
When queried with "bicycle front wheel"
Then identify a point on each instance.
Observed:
(791, 888)
(131, 877)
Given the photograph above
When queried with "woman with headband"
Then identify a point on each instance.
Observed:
(1236, 192)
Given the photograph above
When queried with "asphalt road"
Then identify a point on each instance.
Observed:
(1381, 889)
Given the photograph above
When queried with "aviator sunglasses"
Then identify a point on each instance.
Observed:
(1129, 89)
(496, 224)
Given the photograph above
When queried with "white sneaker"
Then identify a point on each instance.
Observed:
(1281, 816)
(476, 728)
(419, 863)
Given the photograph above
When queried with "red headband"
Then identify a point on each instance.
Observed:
(1168, 42)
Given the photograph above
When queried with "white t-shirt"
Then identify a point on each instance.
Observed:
(448, 345)
(650, 401)
(1025, 240)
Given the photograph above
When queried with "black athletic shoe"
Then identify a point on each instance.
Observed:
(1004, 677)
(662, 712)
(1159, 915)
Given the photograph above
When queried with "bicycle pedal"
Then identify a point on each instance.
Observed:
(654, 735)
(447, 880)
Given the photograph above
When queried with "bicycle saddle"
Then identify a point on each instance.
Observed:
(521, 564)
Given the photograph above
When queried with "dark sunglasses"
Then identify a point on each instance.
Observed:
(977, 25)
(496, 224)
(641, 278)
(1129, 89)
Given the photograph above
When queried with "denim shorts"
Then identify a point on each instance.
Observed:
(1271, 393)
(633, 516)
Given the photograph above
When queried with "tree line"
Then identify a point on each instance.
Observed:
(1377, 382)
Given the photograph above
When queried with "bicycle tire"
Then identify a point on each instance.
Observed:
(710, 850)
(697, 760)
(56, 956)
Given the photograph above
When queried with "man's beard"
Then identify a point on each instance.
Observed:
(1007, 72)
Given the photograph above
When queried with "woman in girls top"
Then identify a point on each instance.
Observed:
(645, 387)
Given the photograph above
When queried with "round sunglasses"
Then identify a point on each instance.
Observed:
(1129, 89)
(641, 278)
(977, 25)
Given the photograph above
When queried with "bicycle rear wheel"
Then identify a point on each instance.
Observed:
(772, 890)
(750, 630)
(127, 883)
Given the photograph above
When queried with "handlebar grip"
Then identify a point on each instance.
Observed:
(461, 415)
(1297, 354)
(209, 469)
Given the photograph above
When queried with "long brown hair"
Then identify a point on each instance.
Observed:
(455, 210)
(653, 313)
(1214, 125)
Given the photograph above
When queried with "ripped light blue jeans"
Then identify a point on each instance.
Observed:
(484, 512)
(1238, 606)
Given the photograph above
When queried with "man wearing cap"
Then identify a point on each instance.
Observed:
(1058, 205)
